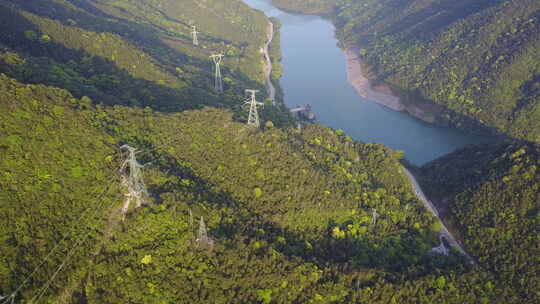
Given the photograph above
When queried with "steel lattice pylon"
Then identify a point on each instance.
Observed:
(253, 118)
(194, 35)
(374, 216)
(218, 84)
(203, 240)
(133, 180)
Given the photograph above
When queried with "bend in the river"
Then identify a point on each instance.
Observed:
(315, 72)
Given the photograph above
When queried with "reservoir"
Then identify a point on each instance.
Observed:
(315, 72)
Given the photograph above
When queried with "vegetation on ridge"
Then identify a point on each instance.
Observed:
(492, 196)
(289, 212)
(121, 56)
(306, 206)
(479, 59)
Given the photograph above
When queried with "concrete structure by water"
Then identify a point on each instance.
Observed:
(315, 72)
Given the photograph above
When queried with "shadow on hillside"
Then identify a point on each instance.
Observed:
(99, 78)
(318, 247)
(464, 169)
(149, 38)
(134, 27)
(202, 190)
(354, 253)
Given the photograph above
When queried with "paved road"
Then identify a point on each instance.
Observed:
(429, 205)
(268, 66)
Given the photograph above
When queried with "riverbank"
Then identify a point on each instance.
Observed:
(313, 72)
(382, 93)
(379, 94)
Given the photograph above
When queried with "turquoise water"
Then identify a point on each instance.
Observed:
(315, 73)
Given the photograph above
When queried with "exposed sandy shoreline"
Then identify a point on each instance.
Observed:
(382, 94)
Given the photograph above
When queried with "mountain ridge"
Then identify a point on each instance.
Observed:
(233, 214)
(478, 59)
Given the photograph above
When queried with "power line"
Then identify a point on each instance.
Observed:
(11, 297)
(48, 283)
(70, 253)
(14, 293)
(138, 186)
(135, 186)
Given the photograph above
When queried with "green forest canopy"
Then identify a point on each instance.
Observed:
(288, 211)
(132, 52)
(479, 59)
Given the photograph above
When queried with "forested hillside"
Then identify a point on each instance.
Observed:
(289, 212)
(492, 196)
(479, 59)
(135, 52)
(229, 213)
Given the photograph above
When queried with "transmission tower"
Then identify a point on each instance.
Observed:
(218, 84)
(132, 180)
(203, 239)
(202, 235)
(190, 218)
(253, 118)
(194, 35)
(374, 216)
(441, 249)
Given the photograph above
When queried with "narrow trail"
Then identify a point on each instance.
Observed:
(268, 64)
(429, 205)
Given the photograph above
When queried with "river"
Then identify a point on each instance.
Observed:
(315, 72)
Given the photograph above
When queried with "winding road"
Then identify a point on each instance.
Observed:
(429, 205)
(268, 64)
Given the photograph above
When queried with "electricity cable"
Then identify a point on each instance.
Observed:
(58, 244)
